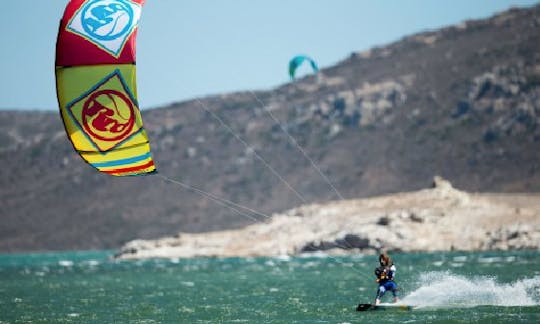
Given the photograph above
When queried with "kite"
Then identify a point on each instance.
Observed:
(96, 85)
(296, 61)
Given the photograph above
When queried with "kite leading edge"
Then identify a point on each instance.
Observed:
(96, 85)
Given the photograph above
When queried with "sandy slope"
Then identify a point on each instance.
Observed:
(436, 219)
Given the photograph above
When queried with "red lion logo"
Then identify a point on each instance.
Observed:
(108, 115)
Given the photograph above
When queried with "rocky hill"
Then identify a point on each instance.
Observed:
(436, 219)
(462, 102)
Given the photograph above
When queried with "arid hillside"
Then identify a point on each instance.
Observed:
(462, 102)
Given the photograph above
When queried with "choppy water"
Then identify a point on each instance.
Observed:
(86, 287)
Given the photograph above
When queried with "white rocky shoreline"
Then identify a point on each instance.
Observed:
(441, 218)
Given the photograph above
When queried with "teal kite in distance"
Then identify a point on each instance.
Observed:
(298, 60)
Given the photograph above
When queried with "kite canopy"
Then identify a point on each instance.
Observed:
(297, 61)
(96, 85)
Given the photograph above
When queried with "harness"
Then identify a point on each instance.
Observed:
(383, 274)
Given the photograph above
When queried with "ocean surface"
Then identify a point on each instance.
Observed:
(90, 287)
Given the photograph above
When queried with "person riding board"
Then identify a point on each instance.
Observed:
(385, 278)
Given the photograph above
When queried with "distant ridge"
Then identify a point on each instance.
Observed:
(462, 102)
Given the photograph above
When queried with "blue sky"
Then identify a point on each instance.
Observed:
(194, 48)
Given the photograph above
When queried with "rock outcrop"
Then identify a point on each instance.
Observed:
(441, 218)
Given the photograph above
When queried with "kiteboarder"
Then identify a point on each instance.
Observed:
(385, 278)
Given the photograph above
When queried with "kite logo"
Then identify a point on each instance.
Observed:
(108, 115)
(106, 23)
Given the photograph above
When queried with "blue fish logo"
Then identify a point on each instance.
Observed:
(106, 23)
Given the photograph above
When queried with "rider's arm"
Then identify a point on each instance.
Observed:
(391, 272)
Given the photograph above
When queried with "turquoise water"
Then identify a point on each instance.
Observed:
(88, 287)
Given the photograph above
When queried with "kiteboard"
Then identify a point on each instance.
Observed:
(384, 307)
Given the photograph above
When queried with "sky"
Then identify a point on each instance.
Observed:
(194, 48)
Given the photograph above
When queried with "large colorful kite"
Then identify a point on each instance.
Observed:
(96, 86)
